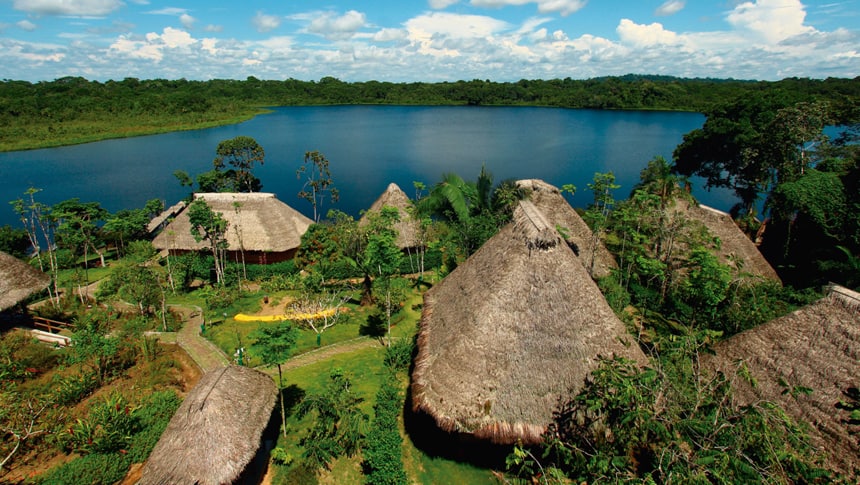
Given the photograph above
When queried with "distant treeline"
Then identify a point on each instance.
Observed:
(74, 110)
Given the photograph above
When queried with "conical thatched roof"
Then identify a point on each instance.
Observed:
(817, 347)
(256, 222)
(559, 213)
(736, 246)
(511, 331)
(216, 431)
(18, 280)
(407, 227)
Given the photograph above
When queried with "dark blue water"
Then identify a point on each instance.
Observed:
(368, 147)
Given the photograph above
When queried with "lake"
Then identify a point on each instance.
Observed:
(368, 147)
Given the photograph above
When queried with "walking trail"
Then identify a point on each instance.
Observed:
(209, 357)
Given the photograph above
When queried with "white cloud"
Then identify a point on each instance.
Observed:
(644, 35)
(26, 25)
(770, 20)
(68, 7)
(214, 28)
(670, 7)
(441, 4)
(168, 11)
(334, 27)
(564, 7)
(187, 21)
(388, 35)
(265, 23)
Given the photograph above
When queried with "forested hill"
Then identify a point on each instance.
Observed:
(74, 110)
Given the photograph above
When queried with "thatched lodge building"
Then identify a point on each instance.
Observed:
(260, 228)
(816, 347)
(510, 332)
(217, 435)
(408, 228)
(736, 249)
(549, 200)
(18, 281)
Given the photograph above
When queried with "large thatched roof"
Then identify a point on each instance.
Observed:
(216, 431)
(18, 280)
(817, 347)
(559, 213)
(516, 327)
(407, 227)
(736, 247)
(256, 222)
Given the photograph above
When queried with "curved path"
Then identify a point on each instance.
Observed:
(208, 356)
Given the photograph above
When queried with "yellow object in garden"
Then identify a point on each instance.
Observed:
(241, 317)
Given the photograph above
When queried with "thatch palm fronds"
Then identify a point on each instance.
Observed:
(18, 280)
(807, 362)
(257, 224)
(515, 328)
(736, 249)
(216, 432)
(407, 227)
(550, 201)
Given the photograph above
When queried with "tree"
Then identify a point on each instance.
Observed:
(210, 226)
(318, 182)
(92, 346)
(14, 241)
(241, 153)
(40, 226)
(274, 344)
(319, 311)
(78, 227)
(382, 255)
(597, 215)
(339, 425)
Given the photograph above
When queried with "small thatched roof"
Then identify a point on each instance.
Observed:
(736, 247)
(817, 347)
(18, 280)
(256, 222)
(407, 227)
(559, 213)
(216, 431)
(513, 330)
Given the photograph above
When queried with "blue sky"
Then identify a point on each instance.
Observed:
(428, 40)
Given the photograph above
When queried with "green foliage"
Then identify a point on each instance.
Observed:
(92, 346)
(668, 422)
(14, 241)
(73, 388)
(210, 226)
(339, 425)
(398, 355)
(92, 469)
(318, 184)
(108, 428)
(241, 153)
(152, 416)
(383, 452)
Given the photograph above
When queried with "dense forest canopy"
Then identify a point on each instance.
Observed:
(74, 110)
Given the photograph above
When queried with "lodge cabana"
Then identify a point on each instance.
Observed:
(18, 281)
(510, 332)
(736, 249)
(550, 201)
(217, 432)
(815, 348)
(407, 227)
(260, 228)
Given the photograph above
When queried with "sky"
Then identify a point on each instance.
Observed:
(427, 40)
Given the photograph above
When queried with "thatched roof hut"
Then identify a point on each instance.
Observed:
(18, 280)
(559, 213)
(816, 347)
(736, 247)
(407, 228)
(513, 330)
(216, 432)
(262, 227)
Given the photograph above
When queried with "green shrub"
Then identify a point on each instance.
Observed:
(383, 451)
(93, 469)
(73, 388)
(398, 355)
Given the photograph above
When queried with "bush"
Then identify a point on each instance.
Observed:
(94, 469)
(398, 356)
(383, 453)
(73, 388)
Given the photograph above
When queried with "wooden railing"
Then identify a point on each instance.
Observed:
(51, 325)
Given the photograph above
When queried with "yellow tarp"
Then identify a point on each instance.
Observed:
(241, 317)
